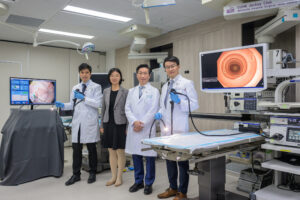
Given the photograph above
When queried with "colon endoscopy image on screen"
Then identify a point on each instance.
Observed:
(233, 69)
(41, 92)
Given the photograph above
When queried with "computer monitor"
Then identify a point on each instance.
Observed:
(30, 91)
(239, 69)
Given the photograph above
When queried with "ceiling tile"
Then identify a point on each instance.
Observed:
(107, 37)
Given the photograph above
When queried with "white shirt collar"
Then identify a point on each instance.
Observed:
(176, 78)
(146, 85)
(87, 83)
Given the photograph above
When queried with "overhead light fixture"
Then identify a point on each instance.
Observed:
(157, 3)
(206, 1)
(96, 13)
(66, 33)
(3, 9)
(87, 47)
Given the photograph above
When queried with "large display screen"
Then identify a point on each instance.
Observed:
(239, 69)
(28, 91)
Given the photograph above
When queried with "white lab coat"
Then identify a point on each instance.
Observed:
(181, 111)
(141, 109)
(86, 114)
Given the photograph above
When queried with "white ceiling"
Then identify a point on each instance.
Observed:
(167, 18)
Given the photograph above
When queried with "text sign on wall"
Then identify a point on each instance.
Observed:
(258, 6)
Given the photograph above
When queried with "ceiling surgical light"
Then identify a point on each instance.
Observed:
(87, 47)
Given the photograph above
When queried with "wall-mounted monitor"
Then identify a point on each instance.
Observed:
(239, 69)
(30, 91)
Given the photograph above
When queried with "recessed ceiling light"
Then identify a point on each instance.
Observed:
(96, 14)
(66, 33)
(3, 9)
(206, 1)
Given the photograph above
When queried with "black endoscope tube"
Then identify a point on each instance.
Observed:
(174, 91)
(172, 111)
(74, 102)
(74, 105)
(153, 124)
(73, 111)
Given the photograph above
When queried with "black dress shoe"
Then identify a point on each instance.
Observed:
(72, 180)
(135, 187)
(92, 178)
(148, 189)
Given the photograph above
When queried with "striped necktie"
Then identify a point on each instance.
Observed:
(141, 91)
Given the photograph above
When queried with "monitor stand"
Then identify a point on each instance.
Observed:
(31, 107)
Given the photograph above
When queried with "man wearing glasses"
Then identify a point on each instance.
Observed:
(180, 110)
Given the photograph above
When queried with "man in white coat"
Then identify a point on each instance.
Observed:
(141, 104)
(180, 122)
(85, 99)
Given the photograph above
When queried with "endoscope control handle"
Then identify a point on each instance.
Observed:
(277, 136)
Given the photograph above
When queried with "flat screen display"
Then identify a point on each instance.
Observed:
(29, 91)
(239, 69)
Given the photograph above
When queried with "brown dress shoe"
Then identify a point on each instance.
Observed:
(168, 193)
(180, 196)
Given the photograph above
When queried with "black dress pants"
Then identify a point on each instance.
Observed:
(77, 156)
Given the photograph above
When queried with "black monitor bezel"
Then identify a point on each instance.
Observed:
(52, 80)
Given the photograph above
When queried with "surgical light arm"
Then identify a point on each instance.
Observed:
(154, 3)
(87, 47)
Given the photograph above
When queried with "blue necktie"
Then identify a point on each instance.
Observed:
(141, 91)
(168, 91)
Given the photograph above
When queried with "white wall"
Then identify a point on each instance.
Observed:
(42, 62)
(187, 43)
(110, 59)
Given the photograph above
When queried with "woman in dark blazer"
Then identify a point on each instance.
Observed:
(113, 125)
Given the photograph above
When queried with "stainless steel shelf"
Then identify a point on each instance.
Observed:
(281, 148)
(273, 193)
(281, 166)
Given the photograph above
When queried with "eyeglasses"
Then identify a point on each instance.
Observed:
(171, 66)
(143, 73)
